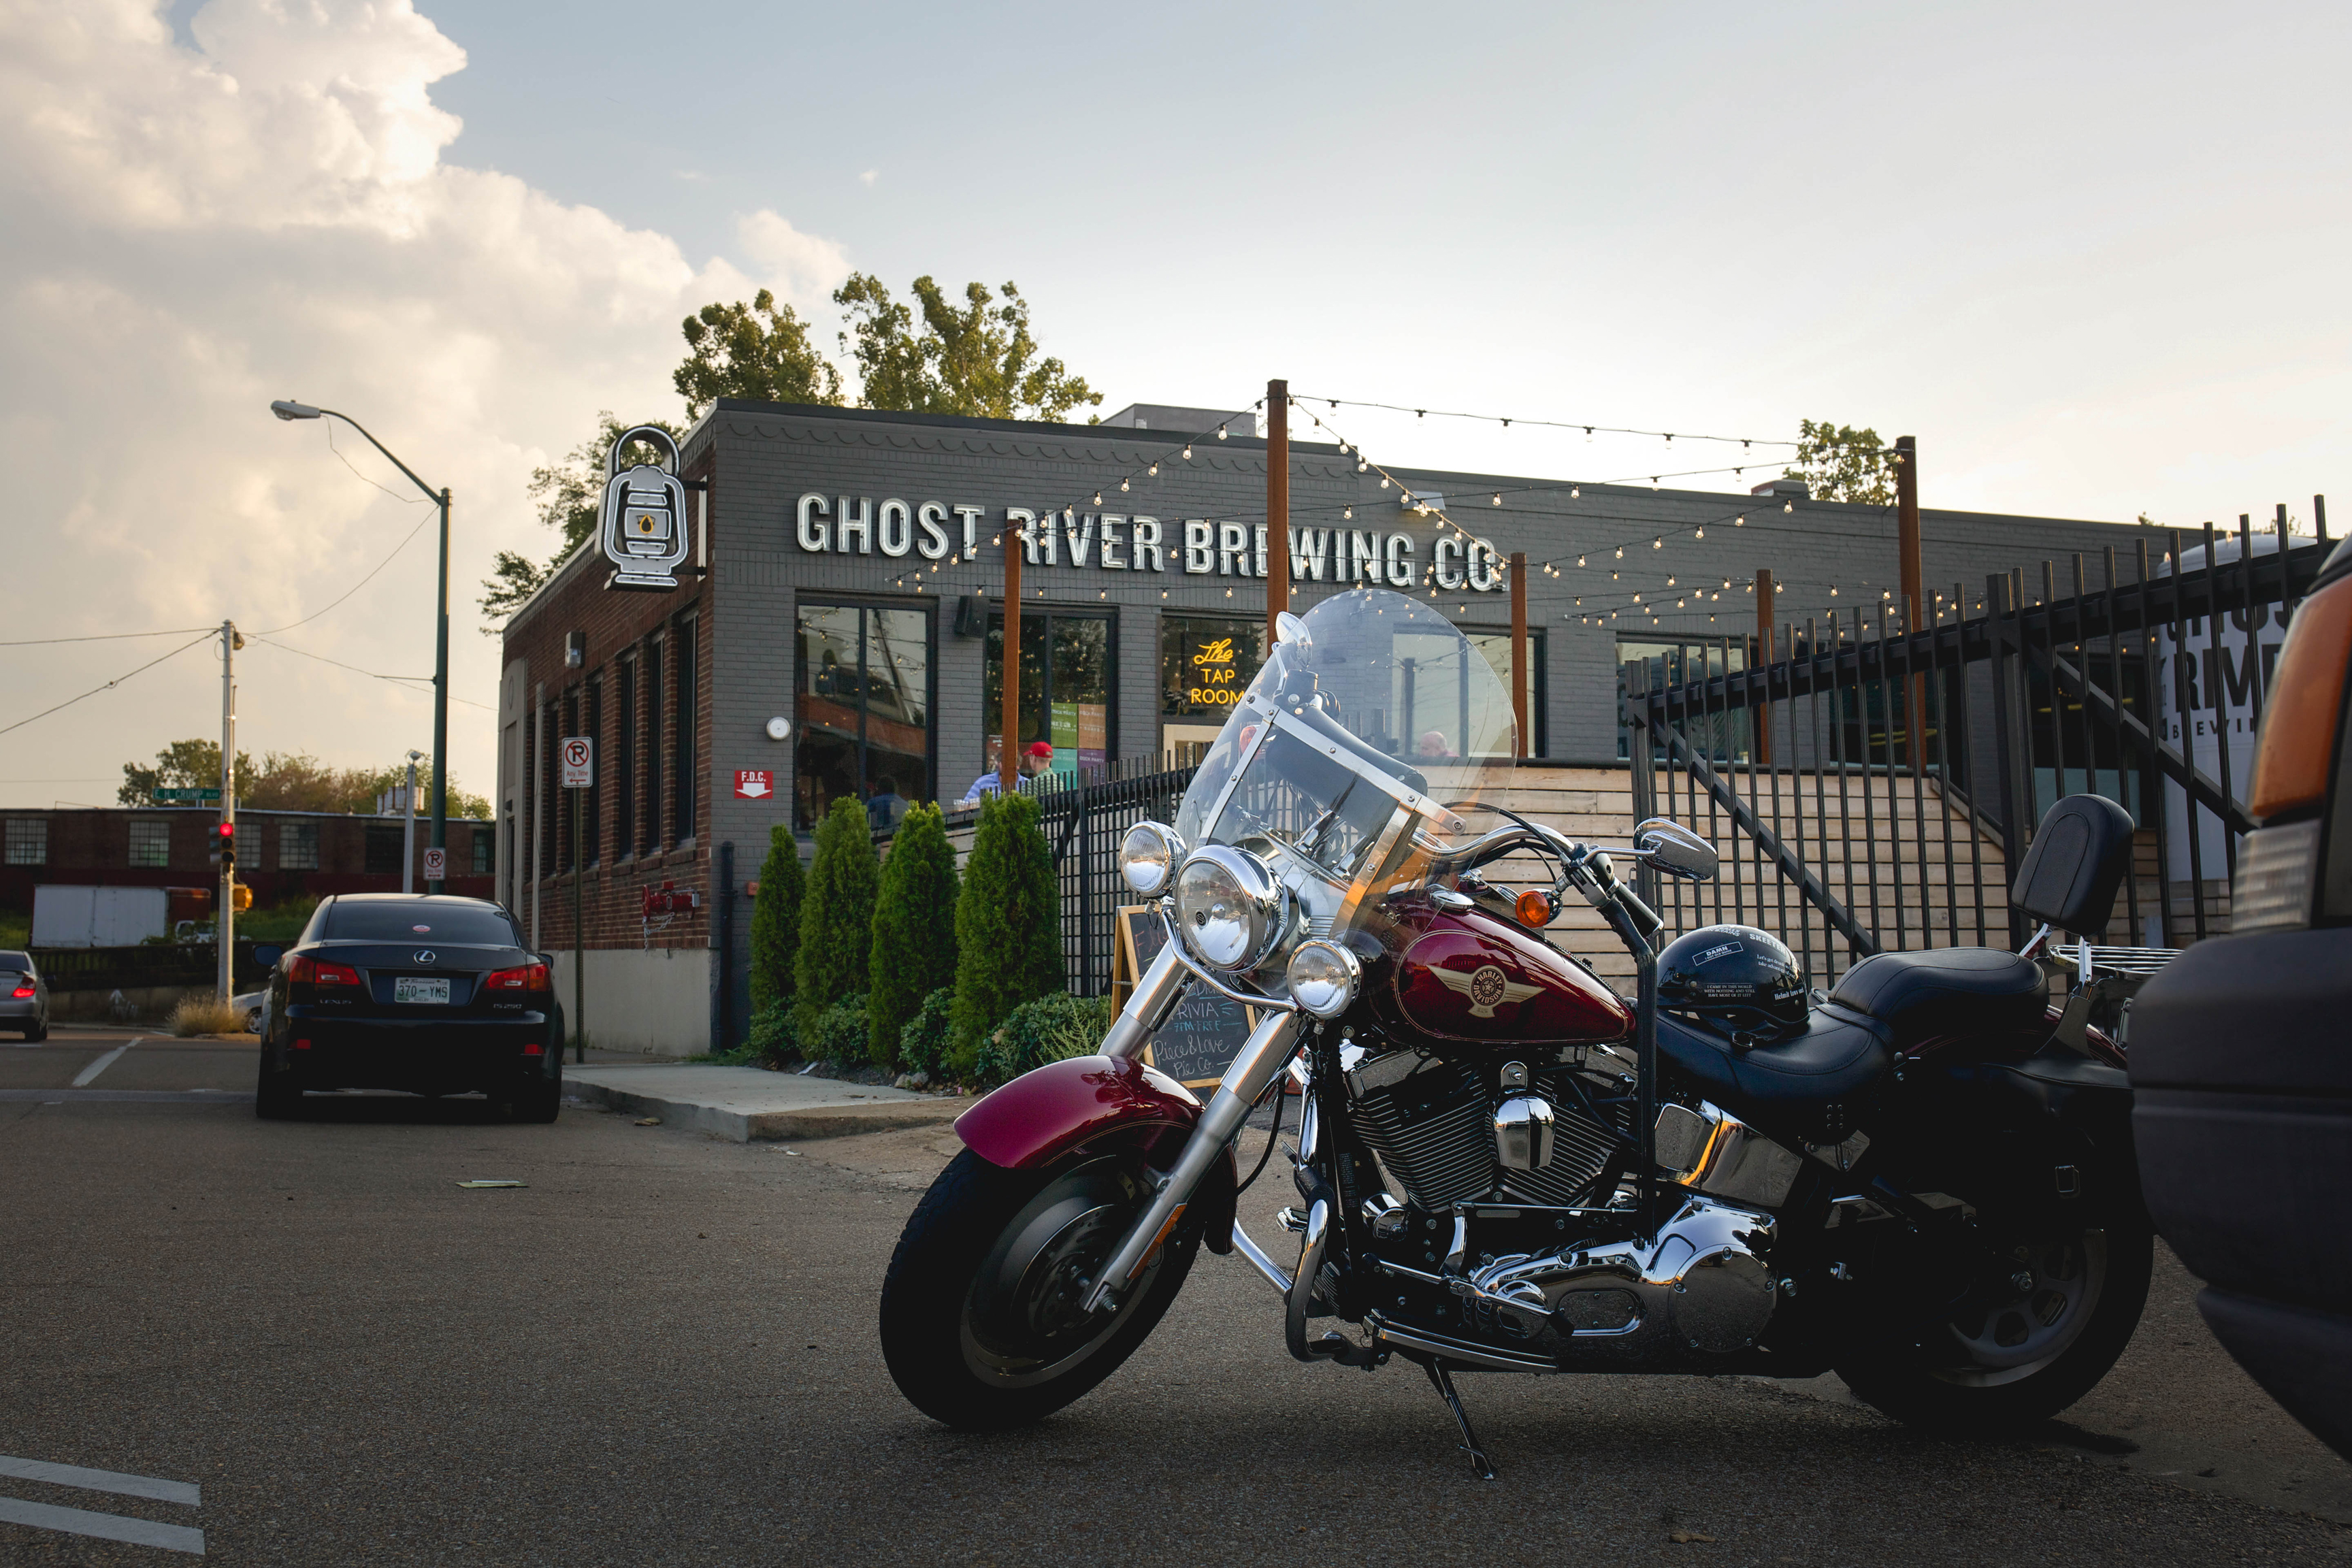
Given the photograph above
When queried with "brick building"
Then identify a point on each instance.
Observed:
(281, 855)
(845, 578)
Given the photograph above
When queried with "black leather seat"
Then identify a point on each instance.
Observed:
(1945, 991)
(1837, 1053)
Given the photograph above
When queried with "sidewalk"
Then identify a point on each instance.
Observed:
(747, 1103)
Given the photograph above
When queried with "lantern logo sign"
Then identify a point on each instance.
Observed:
(644, 527)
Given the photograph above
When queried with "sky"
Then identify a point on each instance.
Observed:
(2089, 254)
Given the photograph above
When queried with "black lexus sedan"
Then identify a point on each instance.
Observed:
(430, 994)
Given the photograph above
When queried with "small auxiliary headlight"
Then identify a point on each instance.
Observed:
(1324, 977)
(1148, 856)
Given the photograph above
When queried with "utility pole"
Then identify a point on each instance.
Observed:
(1008, 748)
(224, 836)
(440, 704)
(1906, 534)
(408, 828)
(1278, 505)
(1519, 648)
(1766, 652)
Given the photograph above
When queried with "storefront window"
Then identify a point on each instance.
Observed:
(1497, 647)
(1066, 678)
(865, 711)
(1205, 664)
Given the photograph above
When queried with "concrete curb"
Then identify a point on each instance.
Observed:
(746, 1127)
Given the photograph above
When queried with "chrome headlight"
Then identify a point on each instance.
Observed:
(1324, 977)
(1229, 907)
(1148, 856)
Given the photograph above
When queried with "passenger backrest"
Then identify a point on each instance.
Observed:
(2070, 875)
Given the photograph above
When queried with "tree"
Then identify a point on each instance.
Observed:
(1008, 924)
(913, 929)
(287, 781)
(570, 498)
(776, 919)
(980, 360)
(760, 351)
(182, 764)
(836, 916)
(1838, 462)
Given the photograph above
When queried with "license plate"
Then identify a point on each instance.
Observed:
(413, 988)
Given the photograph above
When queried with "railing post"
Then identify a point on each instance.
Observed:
(1997, 633)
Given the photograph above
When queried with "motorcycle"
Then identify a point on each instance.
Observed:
(1923, 1180)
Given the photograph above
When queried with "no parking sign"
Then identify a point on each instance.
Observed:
(578, 754)
(436, 863)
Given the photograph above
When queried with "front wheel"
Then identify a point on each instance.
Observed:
(982, 1317)
(2031, 1345)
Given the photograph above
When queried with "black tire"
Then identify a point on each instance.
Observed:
(979, 1327)
(38, 1033)
(1978, 1375)
(275, 1098)
(538, 1100)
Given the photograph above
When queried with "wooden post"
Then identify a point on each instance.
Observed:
(1008, 748)
(1764, 655)
(1519, 648)
(1277, 504)
(1906, 533)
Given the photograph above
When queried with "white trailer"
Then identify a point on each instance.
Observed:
(98, 917)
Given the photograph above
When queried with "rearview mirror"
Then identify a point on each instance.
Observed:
(1668, 847)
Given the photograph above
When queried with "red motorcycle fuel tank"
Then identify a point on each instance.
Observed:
(1468, 975)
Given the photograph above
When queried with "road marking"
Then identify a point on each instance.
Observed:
(90, 1074)
(104, 1526)
(101, 1480)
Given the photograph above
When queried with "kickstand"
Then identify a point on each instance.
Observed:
(1445, 1385)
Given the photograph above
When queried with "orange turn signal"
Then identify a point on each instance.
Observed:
(2298, 738)
(1536, 908)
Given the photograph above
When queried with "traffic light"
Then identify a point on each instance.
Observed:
(241, 897)
(225, 851)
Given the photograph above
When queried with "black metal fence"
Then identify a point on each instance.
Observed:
(1083, 823)
(1868, 779)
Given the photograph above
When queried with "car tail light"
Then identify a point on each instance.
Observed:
(2298, 739)
(534, 1049)
(21, 992)
(304, 970)
(301, 1045)
(529, 977)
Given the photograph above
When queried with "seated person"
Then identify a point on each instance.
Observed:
(885, 807)
(1036, 758)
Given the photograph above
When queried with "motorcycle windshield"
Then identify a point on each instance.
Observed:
(1357, 755)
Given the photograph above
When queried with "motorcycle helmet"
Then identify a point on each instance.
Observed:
(1736, 977)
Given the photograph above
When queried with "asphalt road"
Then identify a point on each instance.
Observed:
(662, 1350)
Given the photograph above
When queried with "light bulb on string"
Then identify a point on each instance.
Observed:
(1361, 465)
(1099, 498)
(1122, 484)
(1789, 506)
(1698, 534)
(1621, 553)
(1498, 499)
(1659, 544)
(1574, 493)
(1579, 561)
(1739, 521)
(1187, 451)
(1221, 435)
(1153, 470)
(1347, 514)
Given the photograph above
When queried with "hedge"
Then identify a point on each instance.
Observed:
(1008, 926)
(914, 951)
(776, 920)
(837, 941)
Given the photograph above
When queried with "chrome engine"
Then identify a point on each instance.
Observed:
(1446, 1140)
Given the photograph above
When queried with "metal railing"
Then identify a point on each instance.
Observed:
(1868, 780)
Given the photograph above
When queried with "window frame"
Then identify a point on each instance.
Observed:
(1050, 611)
(12, 835)
(926, 605)
(133, 848)
(297, 832)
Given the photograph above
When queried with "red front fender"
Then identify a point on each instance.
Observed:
(1100, 1101)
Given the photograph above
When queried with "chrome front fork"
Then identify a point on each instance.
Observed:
(1153, 999)
(1266, 1053)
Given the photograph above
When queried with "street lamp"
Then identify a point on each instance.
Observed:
(287, 408)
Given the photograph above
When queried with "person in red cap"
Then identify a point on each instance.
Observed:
(1036, 758)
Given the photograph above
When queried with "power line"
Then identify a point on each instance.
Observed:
(355, 669)
(355, 587)
(110, 685)
(110, 637)
(338, 451)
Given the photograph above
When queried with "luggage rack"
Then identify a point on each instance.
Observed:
(2085, 958)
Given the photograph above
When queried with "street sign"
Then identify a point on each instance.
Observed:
(436, 864)
(754, 783)
(192, 797)
(578, 754)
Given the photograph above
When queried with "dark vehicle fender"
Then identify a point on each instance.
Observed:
(1093, 1105)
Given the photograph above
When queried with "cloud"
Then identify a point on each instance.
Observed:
(868, 177)
(195, 231)
(803, 267)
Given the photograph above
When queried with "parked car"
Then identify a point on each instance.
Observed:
(250, 1004)
(430, 994)
(23, 996)
(2240, 1057)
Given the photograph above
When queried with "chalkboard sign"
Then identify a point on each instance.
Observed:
(1205, 1033)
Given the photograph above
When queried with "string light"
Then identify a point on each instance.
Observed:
(1122, 484)
(1153, 470)
(1499, 498)
(1221, 435)
(1187, 451)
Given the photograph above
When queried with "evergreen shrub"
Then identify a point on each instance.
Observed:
(914, 930)
(838, 1035)
(837, 941)
(1008, 925)
(923, 1040)
(1050, 1030)
(772, 1033)
(776, 919)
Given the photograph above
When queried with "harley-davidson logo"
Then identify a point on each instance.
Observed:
(1488, 988)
